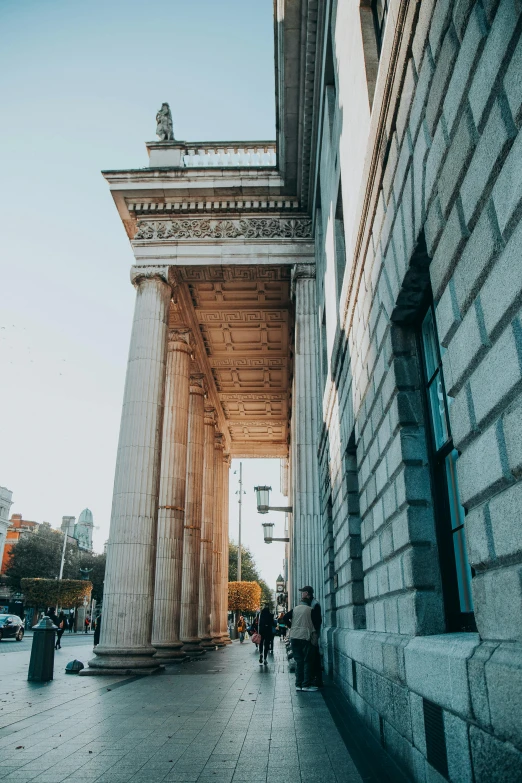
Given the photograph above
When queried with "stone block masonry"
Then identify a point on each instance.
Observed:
(448, 224)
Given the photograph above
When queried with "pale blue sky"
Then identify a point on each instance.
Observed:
(80, 84)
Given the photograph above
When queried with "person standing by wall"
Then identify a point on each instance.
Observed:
(303, 639)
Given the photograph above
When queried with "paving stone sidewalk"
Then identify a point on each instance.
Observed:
(223, 719)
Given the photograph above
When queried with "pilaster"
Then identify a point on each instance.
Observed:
(307, 539)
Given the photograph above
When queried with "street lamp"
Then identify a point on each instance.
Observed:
(263, 501)
(268, 530)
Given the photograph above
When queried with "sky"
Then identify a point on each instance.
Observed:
(80, 85)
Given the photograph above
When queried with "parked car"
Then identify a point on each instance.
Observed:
(11, 627)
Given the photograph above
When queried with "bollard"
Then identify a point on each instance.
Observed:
(41, 665)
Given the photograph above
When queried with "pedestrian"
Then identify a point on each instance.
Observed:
(303, 640)
(253, 630)
(70, 621)
(282, 626)
(241, 628)
(97, 630)
(87, 623)
(51, 614)
(266, 631)
(61, 622)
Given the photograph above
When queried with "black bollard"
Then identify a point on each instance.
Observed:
(41, 665)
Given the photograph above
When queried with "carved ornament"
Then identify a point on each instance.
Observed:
(251, 228)
(180, 339)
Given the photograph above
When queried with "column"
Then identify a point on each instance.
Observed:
(217, 548)
(129, 580)
(192, 528)
(225, 636)
(306, 523)
(207, 532)
(171, 512)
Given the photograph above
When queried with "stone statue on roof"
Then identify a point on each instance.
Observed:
(164, 127)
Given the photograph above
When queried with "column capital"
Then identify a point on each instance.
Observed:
(197, 383)
(227, 459)
(218, 441)
(210, 417)
(138, 273)
(180, 340)
(300, 271)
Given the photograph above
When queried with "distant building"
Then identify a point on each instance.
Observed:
(17, 528)
(81, 530)
(5, 507)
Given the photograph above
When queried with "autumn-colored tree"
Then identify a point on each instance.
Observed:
(244, 596)
(249, 571)
(67, 593)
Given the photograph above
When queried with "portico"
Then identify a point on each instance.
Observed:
(221, 342)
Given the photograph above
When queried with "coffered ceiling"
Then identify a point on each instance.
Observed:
(243, 317)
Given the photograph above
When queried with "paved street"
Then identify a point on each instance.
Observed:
(68, 640)
(222, 719)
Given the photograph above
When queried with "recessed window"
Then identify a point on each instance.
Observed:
(455, 568)
(380, 16)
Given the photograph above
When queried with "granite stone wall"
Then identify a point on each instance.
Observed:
(448, 216)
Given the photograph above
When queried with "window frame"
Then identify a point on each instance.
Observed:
(456, 619)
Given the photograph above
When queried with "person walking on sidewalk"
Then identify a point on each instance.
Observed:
(266, 631)
(241, 628)
(61, 622)
(87, 623)
(303, 639)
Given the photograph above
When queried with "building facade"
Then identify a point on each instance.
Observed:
(347, 299)
(6, 501)
(82, 530)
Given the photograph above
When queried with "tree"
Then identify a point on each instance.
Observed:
(249, 572)
(38, 555)
(244, 596)
(67, 593)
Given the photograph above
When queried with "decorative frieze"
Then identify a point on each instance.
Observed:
(251, 228)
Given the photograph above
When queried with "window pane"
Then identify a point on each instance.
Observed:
(463, 571)
(438, 411)
(456, 510)
(429, 339)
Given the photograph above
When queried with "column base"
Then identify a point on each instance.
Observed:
(218, 641)
(122, 660)
(192, 647)
(208, 643)
(170, 653)
(225, 639)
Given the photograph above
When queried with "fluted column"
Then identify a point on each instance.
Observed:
(307, 540)
(192, 532)
(225, 636)
(171, 512)
(217, 548)
(207, 532)
(129, 578)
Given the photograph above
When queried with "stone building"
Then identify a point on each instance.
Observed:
(6, 501)
(347, 298)
(82, 530)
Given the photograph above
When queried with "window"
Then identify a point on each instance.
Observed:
(324, 349)
(380, 16)
(340, 248)
(455, 568)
